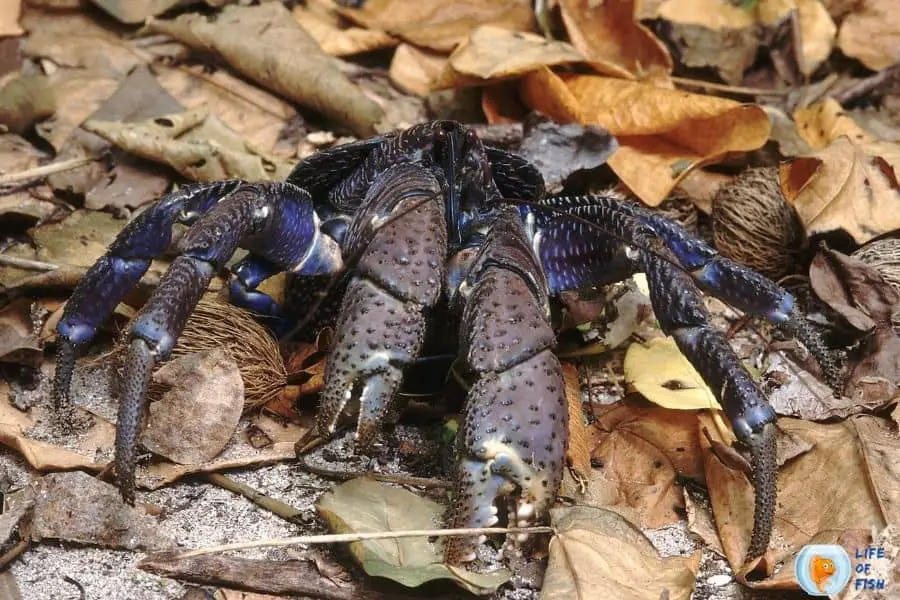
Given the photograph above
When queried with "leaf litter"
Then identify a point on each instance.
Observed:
(651, 466)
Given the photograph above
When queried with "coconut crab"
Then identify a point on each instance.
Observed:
(426, 217)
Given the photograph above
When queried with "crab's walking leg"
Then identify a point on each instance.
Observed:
(400, 237)
(118, 271)
(274, 221)
(681, 313)
(515, 432)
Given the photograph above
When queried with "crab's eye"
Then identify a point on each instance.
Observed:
(471, 137)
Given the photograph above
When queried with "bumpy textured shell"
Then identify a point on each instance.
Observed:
(754, 225)
(884, 257)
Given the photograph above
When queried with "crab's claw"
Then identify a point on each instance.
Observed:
(514, 437)
(399, 241)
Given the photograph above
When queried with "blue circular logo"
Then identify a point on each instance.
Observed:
(822, 569)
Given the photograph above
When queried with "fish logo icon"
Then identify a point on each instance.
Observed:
(822, 569)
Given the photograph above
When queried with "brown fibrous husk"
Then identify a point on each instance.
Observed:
(884, 256)
(754, 225)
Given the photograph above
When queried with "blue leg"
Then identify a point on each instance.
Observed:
(119, 270)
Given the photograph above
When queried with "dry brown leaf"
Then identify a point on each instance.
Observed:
(639, 454)
(597, 553)
(610, 37)
(336, 40)
(543, 90)
(845, 186)
(78, 95)
(73, 39)
(871, 33)
(19, 342)
(492, 53)
(578, 453)
(818, 33)
(414, 70)
(199, 410)
(75, 507)
(10, 10)
(135, 11)
(822, 123)
(255, 115)
(267, 45)
(823, 496)
(662, 133)
(194, 143)
(440, 25)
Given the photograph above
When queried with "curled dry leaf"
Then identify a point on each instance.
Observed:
(195, 144)
(845, 186)
(19, 341)
(578, 452)
(10, 10)
(440, 25)
(660, 372)
(325, 28)
(492, 53)
(560, 151)
(199, 410)
(415, 70)
(613, 41)
(364, 505)
(76, 507)
(638, 455)
(663, 134)
(135, 11)
(824, 122)
(824, 496)
(23, 101)
(266, 44)
(596, 549)
(871, 33)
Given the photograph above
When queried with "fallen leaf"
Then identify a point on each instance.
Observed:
(613, 41)
(257, 116)
(199, 410)
(265, 44)
(336, 40)
(19, 341)
(492, 53)
(578, 452)
(818, 34)
(871, 34)
(437, 24)
(596, 549)
(75, 507)
(660, 372)
(25, 100)
(711, 33)
(10, 10)
(561, 151)
(414, 70)
(194, 143)
(364, 505)
(135, 11)
(822, 123)
(823, 497)
(845, 186)
(664, 134)
(122, 181)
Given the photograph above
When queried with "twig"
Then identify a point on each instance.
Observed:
(282, 509)
(26, 263)
(338, 538)
(50, 169)
(426, 482)
(864, 86)
(731, 89)
(13, 553)
(76, 583)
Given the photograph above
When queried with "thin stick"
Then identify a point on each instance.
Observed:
(732, 89)
(14, 552)
(282, 509)
(338, 538)
(864, 86)
(26, 263)
(426, 482)
(50, 169)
